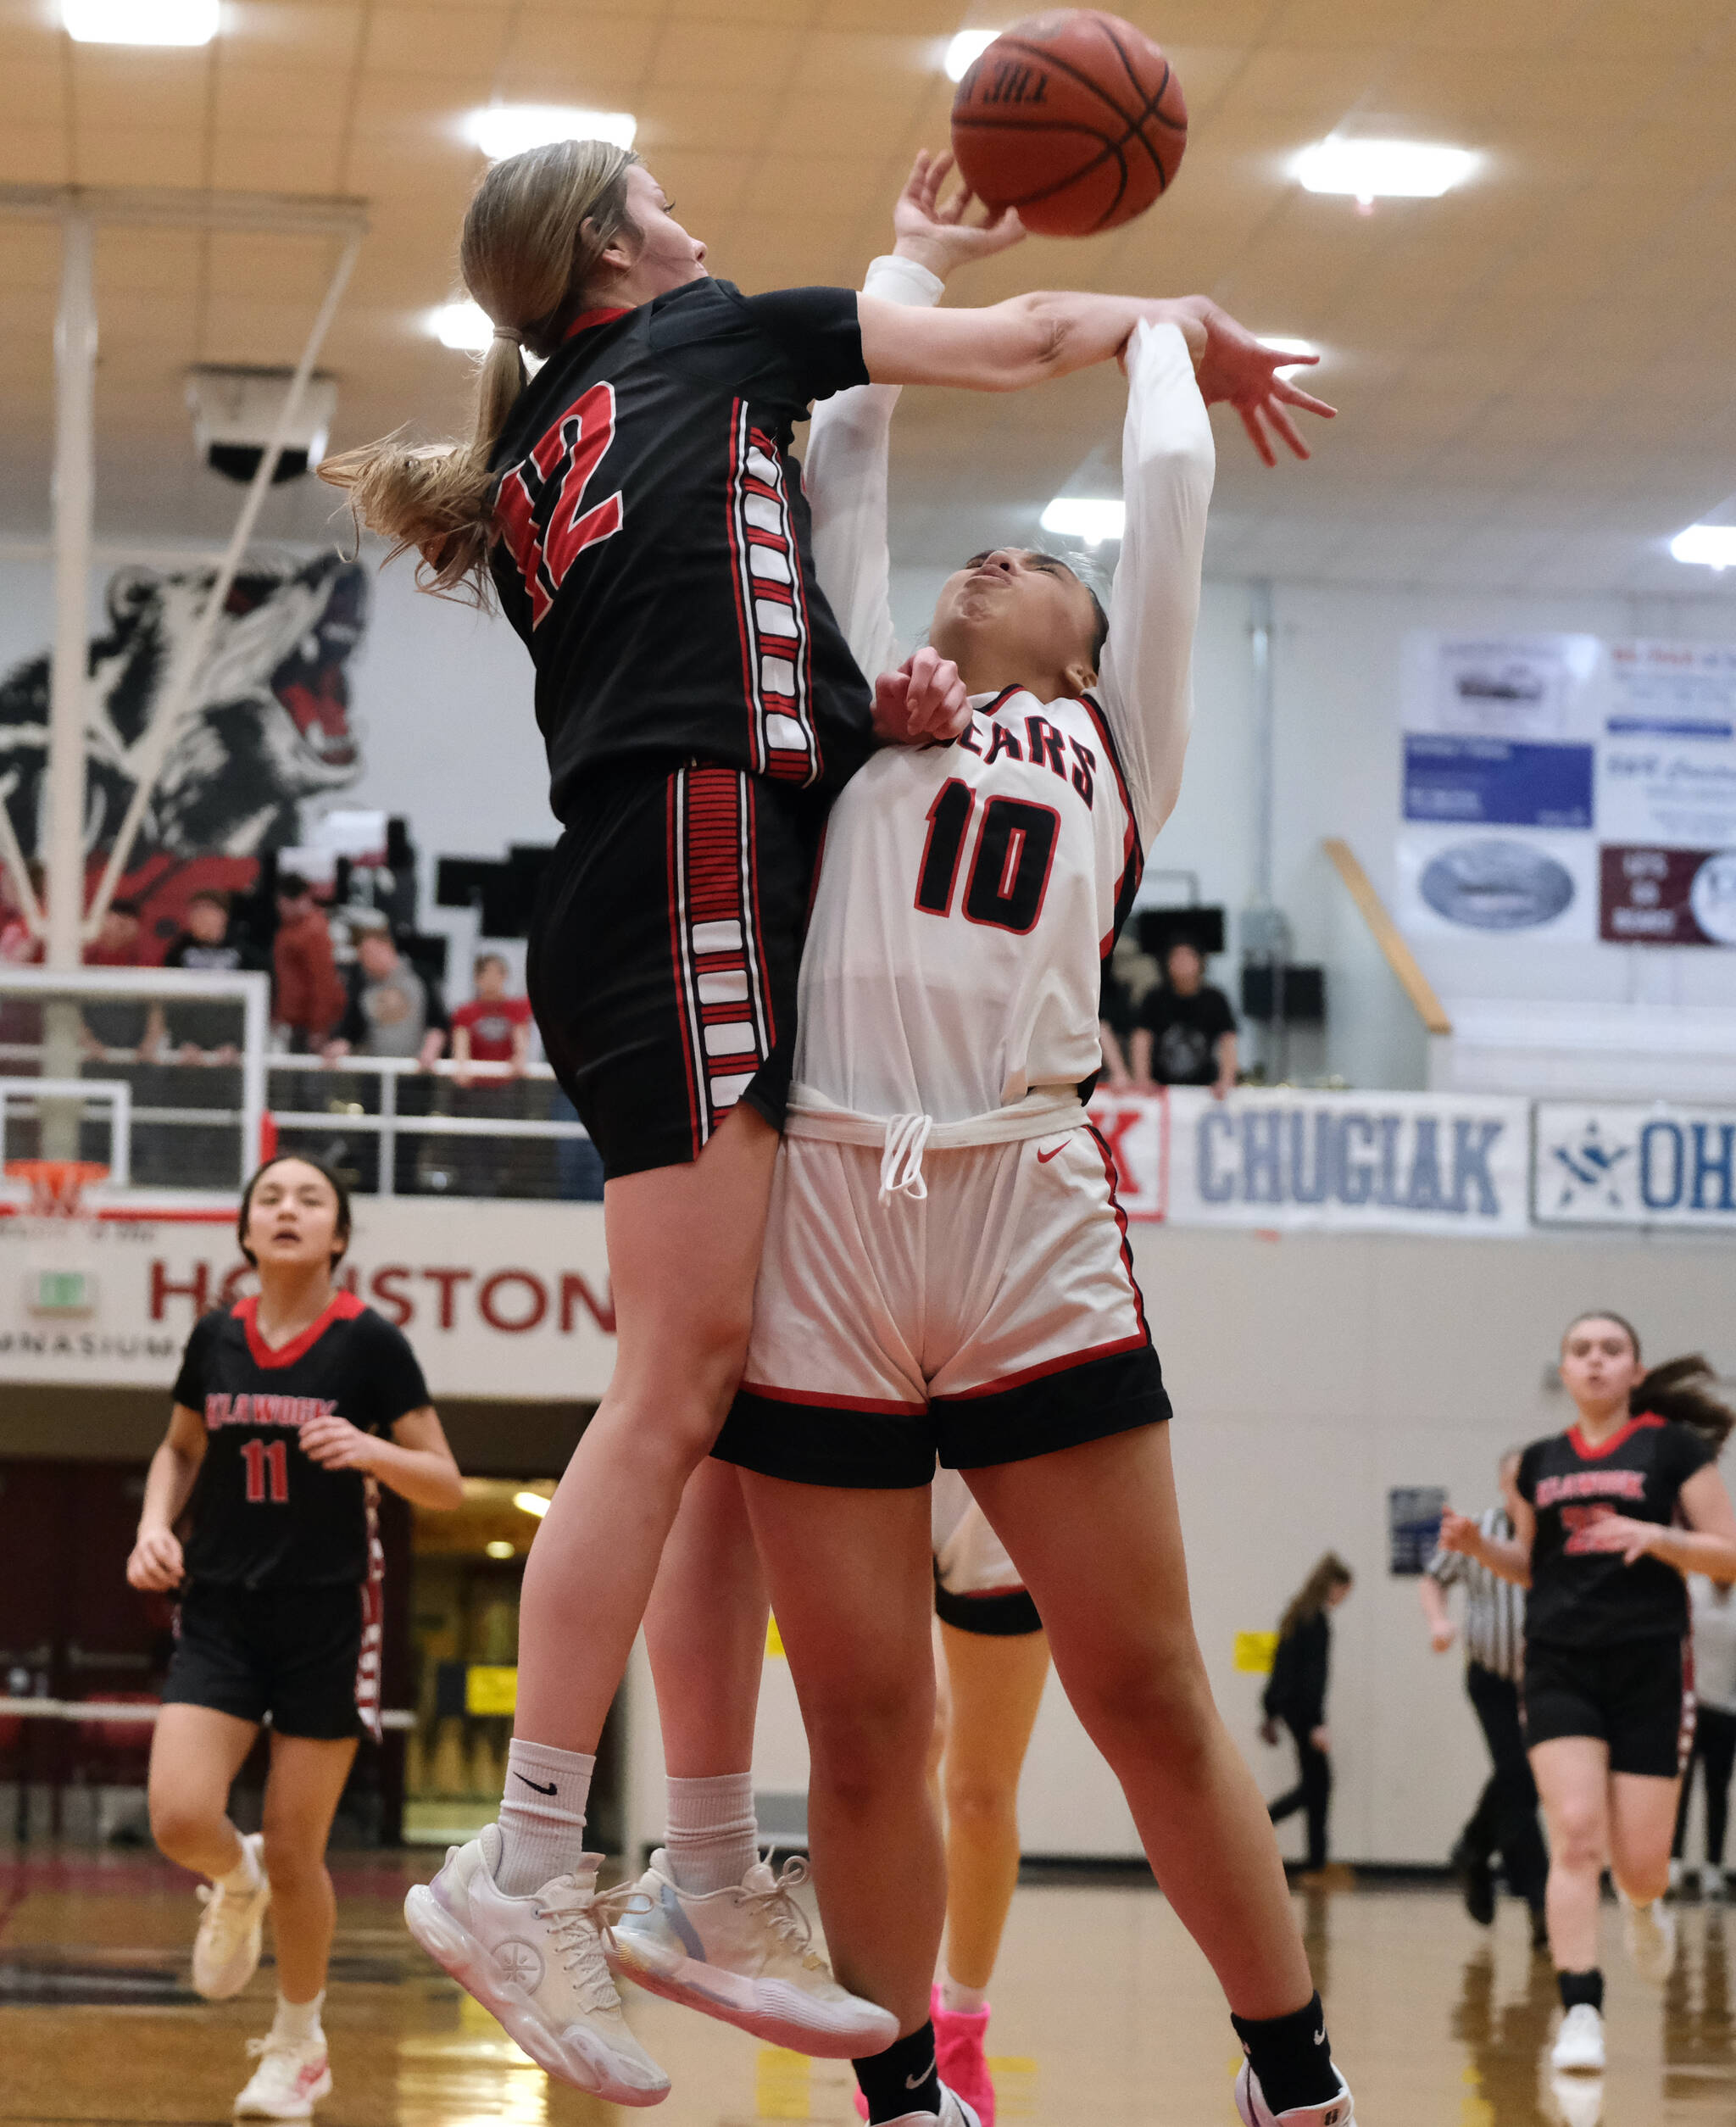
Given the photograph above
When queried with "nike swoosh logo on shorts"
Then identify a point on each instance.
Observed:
(1043, 1158)
(537, 1785)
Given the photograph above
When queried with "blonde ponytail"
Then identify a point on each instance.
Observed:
(535, 231)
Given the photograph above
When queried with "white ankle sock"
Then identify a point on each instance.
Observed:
(246, 1874)
(297, 2022)
(542, 1815)
(712, 1839)
(961, 2000)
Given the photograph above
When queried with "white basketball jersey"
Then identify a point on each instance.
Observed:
(968, 893)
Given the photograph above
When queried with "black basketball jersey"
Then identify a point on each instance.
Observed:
(264, 1514)
(1585, 1598)
(654, 548)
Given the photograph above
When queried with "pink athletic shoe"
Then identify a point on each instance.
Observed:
(957, 2049)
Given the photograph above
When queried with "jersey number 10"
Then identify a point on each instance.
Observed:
(1009, 870)
(262, 1462)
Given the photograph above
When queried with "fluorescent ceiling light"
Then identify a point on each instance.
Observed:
(1382, 169)
(499, 1548)
(1092, 518)
(500, 130)
(141, 21)
(1711, 546)
(531, 1503)
(465, 326)
(965, 50)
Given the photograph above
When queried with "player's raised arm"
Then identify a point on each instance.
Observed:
(1167, 464)
(844, 467)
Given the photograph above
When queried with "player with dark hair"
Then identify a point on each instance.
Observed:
(637, 511)
(1609, 1517)
(290, 1409)
(946, 1267)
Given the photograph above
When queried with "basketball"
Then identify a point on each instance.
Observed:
(1074, 117)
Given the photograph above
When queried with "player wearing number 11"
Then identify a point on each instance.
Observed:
(290, 1410)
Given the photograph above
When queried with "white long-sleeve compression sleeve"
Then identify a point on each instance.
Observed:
(844, 471)
(1167, 464)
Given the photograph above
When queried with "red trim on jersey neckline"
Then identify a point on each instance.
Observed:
(586, 319)
(1587, 1453)
(345, 1307)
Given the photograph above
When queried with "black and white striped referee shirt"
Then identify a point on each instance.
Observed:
(1495, 1609)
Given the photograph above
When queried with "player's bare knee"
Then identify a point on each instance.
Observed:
(1577, 1840)
(293, 1862)
(181, 1826)
(980, 1806)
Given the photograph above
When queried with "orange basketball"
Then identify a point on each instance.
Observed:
(1075, 118)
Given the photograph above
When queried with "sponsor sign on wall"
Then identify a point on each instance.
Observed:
(508, 1300)
(1394, 1162)
(1603, 1164)
(1558, 787)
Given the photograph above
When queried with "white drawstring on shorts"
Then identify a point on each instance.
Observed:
(901, 1160)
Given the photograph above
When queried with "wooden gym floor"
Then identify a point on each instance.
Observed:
(1104, 2016)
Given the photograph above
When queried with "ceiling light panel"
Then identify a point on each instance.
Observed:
(141, 21)
(466, 327)
(1092, 518)
(500, 130)
(965, 50)
(1706, 546)
(1368, 170)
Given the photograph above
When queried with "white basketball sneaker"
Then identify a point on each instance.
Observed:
(226, 1948)
(1250, 2102)
(537, 1964)
(1651, 1938)
(288, 2083)
(745, 1955)
(1579, 2044)
(953, 2113)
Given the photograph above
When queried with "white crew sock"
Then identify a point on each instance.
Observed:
(960, 1999)
(297, 2022)
(542, 1815)
(244, 1877)
(712, 1839)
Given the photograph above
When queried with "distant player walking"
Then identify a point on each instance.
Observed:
(290, 1409)
(1609, 1517)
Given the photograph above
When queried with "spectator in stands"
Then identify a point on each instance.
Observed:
(493, 1027)
(309, 999)
(19, 946)
(393, 1011)
(1186, 1031)
(205, 1033)
(118, 1030)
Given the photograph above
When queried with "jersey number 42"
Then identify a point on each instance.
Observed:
(541, 508)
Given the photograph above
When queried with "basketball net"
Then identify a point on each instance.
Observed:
(56, 1186)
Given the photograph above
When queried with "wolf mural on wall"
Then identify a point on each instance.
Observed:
(272, 727)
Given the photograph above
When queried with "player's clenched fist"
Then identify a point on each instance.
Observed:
(337, 1445)
(155, 1565)
(923, 703)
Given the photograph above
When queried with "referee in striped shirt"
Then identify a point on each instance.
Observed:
(1504, 1820)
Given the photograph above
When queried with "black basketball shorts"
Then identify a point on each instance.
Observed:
(1638, 1698)
(665, 952)
(308, 1657)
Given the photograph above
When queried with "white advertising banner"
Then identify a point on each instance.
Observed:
(1343, 1162)
(1603, 1164)
(507, 1301)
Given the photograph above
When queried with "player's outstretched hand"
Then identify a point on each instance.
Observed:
(337, 1445)
(935, 232)
(155, 1565)
(923, 703)
(1239, 371)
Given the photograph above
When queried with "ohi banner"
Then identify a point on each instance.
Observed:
(1346, 1163)
(1620, 1164)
